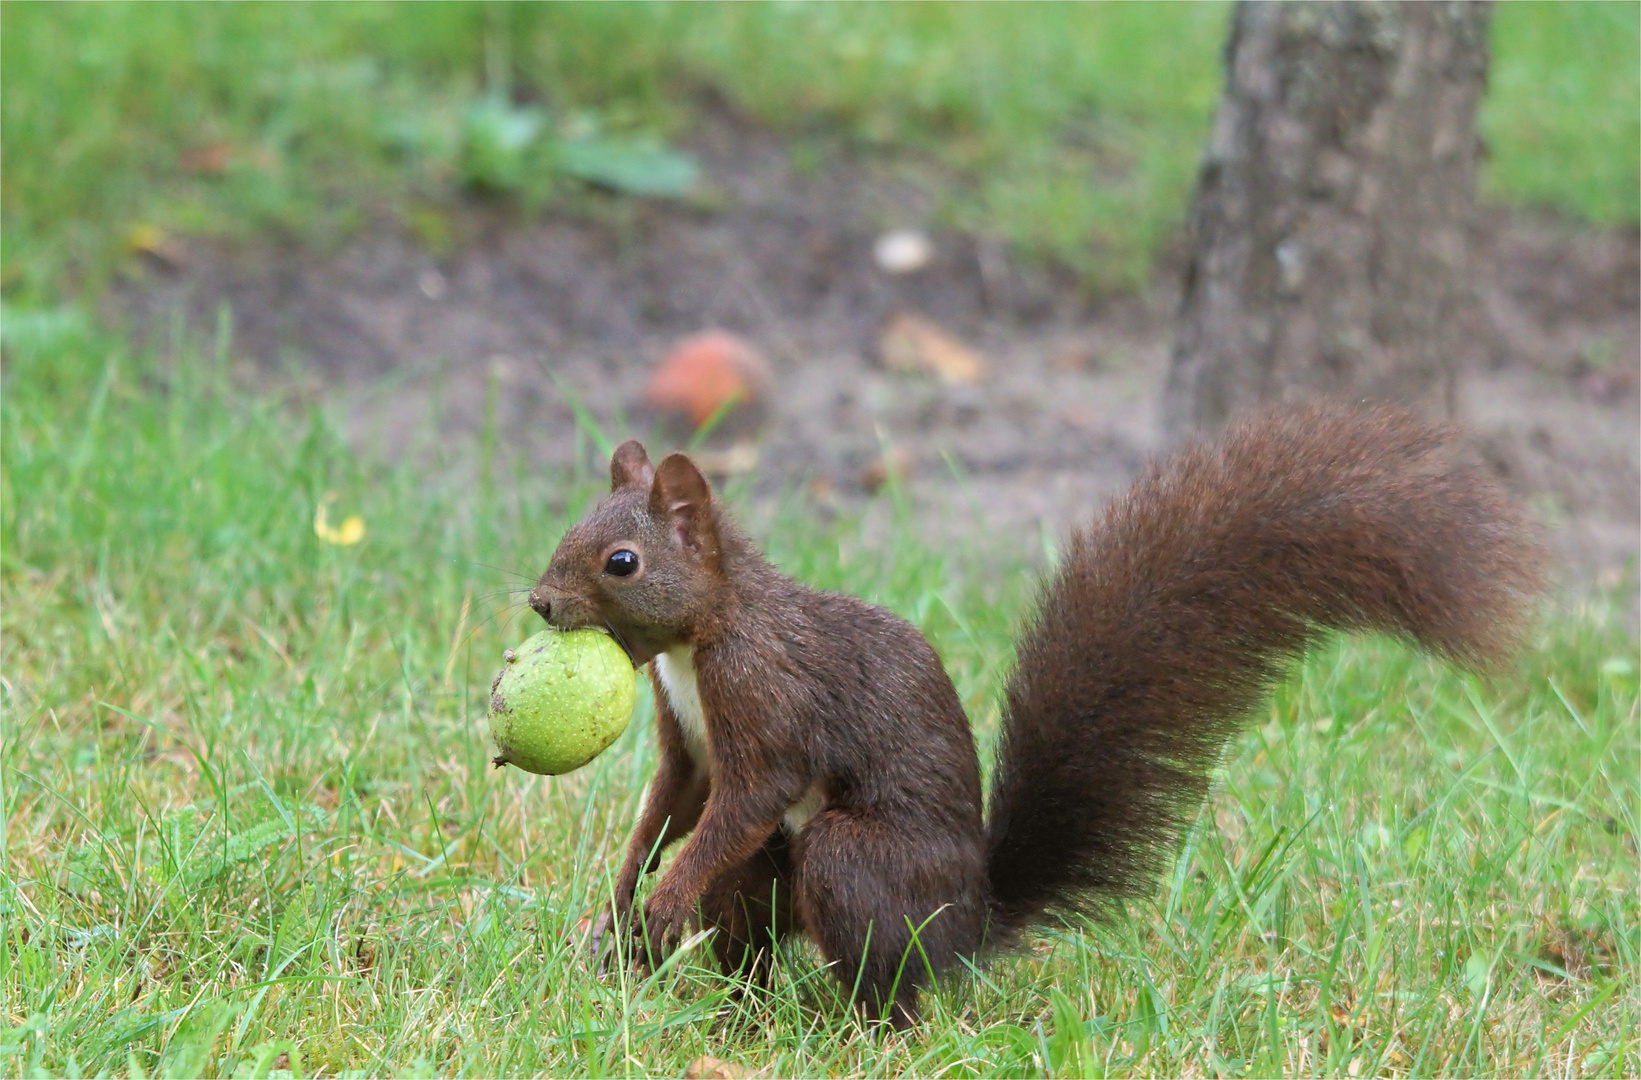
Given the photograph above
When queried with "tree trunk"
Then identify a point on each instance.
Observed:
(1328, 237)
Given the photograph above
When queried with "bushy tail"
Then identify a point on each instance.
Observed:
(1168, 621)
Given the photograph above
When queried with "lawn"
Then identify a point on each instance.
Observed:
(1070, 131)
(250, 818)
(250, 827)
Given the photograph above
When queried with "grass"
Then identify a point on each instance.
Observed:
(1070, 131)
(1562, 120)
(250, 824)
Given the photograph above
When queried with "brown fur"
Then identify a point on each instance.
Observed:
(1169, 620)
(1164, 626)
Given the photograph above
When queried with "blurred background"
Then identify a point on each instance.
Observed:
(320, 321)
(940, 244)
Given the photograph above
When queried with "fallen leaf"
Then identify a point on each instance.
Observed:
(894, 464)
(364, 951)
(707, 1067)
(209, 160)
(707, 373)
(730, 461)
(350, 532)
(153, 241)
(913, 343)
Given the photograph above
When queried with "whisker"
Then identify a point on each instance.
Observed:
(500, 570)
(619, 640)
(495, 617)
(494, 593)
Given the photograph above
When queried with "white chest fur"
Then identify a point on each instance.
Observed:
(676, 667)
(813, 801)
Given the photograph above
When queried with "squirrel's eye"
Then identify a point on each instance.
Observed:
(621, 563)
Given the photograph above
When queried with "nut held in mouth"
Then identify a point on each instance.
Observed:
(561, 700)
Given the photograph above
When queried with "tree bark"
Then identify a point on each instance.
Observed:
(1328, 235)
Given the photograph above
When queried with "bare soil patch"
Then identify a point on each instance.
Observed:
(580, 303)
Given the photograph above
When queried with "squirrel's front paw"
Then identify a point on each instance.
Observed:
(659, 932)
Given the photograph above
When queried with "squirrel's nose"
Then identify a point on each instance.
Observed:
(541, 605)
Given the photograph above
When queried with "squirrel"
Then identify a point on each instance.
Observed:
(816, 754)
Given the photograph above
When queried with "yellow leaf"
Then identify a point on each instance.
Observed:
(352, 529)
(153, 241)
(147, 237)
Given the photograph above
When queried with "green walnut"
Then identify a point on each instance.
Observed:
(562, 698)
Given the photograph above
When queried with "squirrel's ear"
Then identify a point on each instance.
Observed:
(680, 497)
(630, 466)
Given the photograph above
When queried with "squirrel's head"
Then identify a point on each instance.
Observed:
(645, 563)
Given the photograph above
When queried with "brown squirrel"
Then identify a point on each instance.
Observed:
(818, 752)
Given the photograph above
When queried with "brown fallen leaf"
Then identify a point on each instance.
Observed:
(896, 463)
(705, 373)
(154, 242)
(209, 160)
(742, 457)
(707, 1067)
(913, 343)
(364, 954)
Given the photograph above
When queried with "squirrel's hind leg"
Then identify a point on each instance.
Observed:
(751, 910)
(889, 908)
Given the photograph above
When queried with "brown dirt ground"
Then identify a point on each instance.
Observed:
(402, 343)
